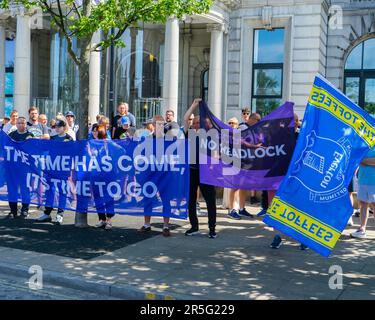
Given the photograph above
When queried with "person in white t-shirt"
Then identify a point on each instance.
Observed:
(11, 125)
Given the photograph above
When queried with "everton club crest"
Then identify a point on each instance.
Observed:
(321, 167)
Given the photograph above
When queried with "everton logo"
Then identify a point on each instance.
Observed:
(321, 167)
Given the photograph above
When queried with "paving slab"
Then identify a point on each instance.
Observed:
(237, 265)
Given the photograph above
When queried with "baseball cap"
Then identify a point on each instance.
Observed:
(125, 121)
(69, 113)
(60, 123)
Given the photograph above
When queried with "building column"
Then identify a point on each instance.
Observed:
(170, 71)
(215, 81)
(22, 65)
(94, 81)
(2, 71)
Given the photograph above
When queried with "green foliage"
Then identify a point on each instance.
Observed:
(81, 18)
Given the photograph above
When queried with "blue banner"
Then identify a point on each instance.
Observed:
(145, 177)
(312, 204)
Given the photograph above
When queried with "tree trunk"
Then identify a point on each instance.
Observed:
(83, 114)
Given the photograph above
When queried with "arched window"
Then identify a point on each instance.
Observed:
(359, 77)
(204, 85)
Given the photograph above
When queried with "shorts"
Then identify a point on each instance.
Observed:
(366, 193)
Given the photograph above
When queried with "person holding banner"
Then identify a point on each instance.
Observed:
(208, 191)
(230, 199)
(105, 209)
(61, 135)
(253, 142)
(277, 240)
(157, 132)
(366, 191)
(14, 184)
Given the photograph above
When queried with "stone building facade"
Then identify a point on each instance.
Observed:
(254, 53)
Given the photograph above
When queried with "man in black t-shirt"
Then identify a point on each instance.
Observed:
(123, 110)
(14, 183)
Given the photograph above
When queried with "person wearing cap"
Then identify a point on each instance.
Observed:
(126, 130)
(157, 128)
(72, 127)
(4, 122)
(123, 110)
(61, 128)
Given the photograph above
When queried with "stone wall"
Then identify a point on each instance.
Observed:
(305, 23)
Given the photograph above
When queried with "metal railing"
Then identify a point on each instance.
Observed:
(146, 108)
(51, 108)
(143, 108)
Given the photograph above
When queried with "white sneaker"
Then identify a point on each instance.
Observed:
(59, 219)
(108, 226)
(101, 224)
(359, 234)
(350, 222)
(44, 218)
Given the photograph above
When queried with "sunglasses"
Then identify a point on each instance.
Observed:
(246, 113)
(232, 122)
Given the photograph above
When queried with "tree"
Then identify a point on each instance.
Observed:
(80, 19)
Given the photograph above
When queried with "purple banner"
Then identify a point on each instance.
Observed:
(254, 158)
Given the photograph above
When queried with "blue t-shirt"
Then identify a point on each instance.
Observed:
(366, 174)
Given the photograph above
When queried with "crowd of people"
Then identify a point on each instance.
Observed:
(64, 128)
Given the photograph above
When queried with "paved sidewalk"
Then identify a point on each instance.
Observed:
(237, 265)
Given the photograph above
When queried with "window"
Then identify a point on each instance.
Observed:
(9, 72)
(359, 79)
(268, 64)
(204, 85)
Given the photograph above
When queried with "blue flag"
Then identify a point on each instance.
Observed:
(312, 204)
(147, 177)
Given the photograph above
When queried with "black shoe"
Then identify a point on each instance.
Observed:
(11, 215)
(277, 242)
(212, 234)
(244, 213)
(303, 247)
(191, 232)
(24, 214)
(253, 200)
(144, 229)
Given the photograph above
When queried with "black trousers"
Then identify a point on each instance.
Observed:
(209, 195)
(48, 211)
(14, 208)
(104, 216)
(264, 200)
